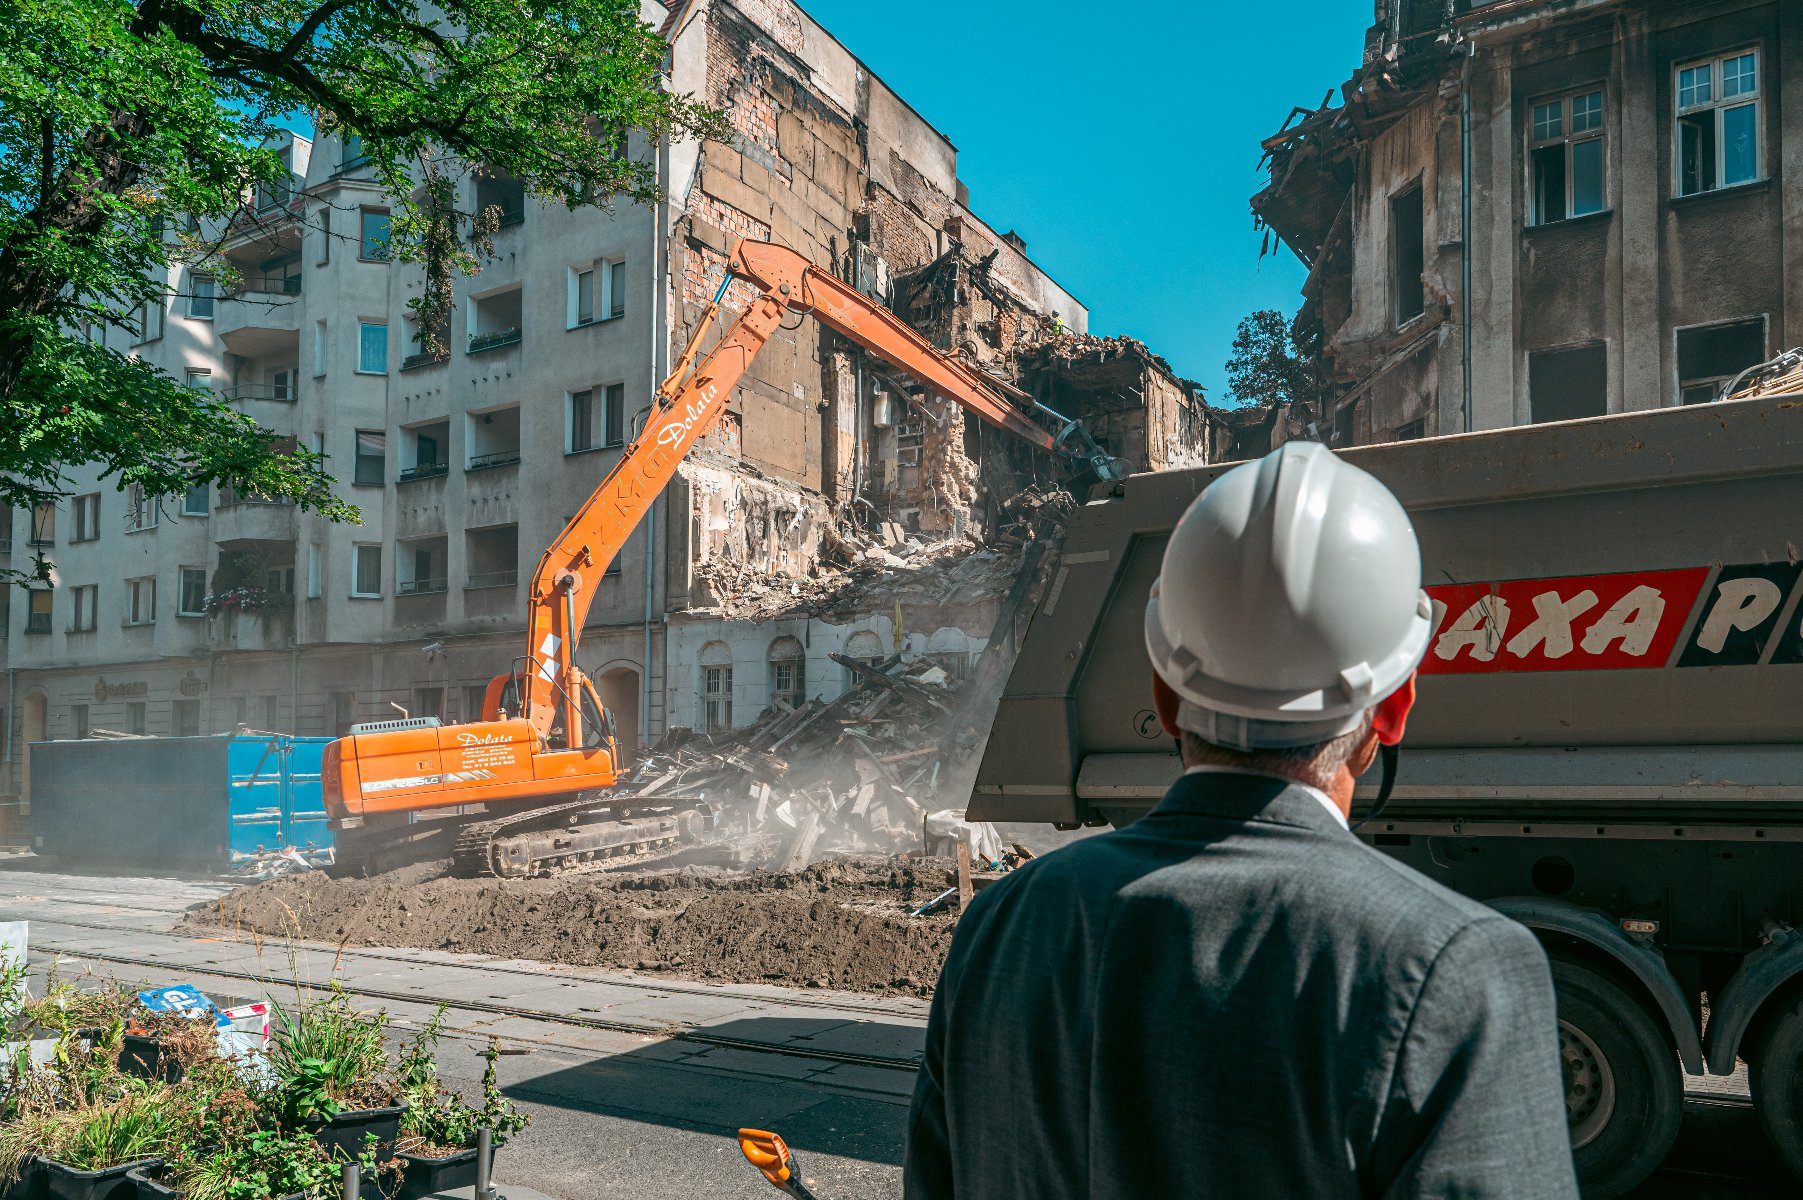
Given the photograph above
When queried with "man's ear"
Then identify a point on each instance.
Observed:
(1392, 714)
(1165, 702)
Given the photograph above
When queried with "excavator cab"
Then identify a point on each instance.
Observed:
(597, 733)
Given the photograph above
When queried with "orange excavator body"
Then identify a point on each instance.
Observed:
(520, 754)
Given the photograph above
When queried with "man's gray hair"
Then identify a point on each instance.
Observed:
(1315, 765)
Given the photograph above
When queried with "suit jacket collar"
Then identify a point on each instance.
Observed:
(1237, 797)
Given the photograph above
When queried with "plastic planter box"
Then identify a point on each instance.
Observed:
(150, 1189)
(346, 1135)
(63, 1182)
(423, 1177)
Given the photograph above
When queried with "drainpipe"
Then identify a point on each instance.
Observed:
(658, 362)
(12, 712)
(857, 426)
(1465, 227)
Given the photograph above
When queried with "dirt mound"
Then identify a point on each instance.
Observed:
(842, 923)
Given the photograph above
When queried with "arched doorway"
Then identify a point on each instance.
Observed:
(618, 688)
(37, 728)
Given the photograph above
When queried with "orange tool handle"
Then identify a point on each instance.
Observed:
(770, 1154)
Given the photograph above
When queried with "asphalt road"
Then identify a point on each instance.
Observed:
(637, 1084)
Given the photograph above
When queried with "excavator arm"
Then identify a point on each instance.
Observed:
(687, 405)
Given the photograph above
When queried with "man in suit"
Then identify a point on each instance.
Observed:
(1234, 996)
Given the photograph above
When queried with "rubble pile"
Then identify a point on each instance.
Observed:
(859, 773)
(871, 569)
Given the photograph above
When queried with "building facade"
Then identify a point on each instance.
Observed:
(215, 610)
(1534, 211)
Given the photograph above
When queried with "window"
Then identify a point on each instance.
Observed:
(86, 511)
(281, 385)
(1407, 257)
(1345, 424)
(1564, 385)
(84, 602)
(344, 712)
(185, 718)
(788, 673)
(372, 458)
(240, 711)
(78, 720)
(374, 245)
(197, 501)
(425, 451)
(202, 289)
(134, 717)
(199, 378)
(319, 349)
(1710, 356)
(43, 524)
(37, 610)
(866, 648)
(271, 713)
(596, 417)
(141, 601)
(597, 292)
(372, 348)
(1718, 123)
(1566, 158)
(148, 322)
(1413, 431)
(352, 153)
(716, 698)
(428, 702)
(473, 696)
(140, 509)
(279, 581)
(313, 581)
(192, 602)
(366, 570)
(325, 234)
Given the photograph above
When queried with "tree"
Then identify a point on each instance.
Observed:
(128, 128)
(1274, 361)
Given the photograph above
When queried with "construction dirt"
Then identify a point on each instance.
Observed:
(842, 923)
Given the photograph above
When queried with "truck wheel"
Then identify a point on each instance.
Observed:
(1623, 1092)
(1775, 1076)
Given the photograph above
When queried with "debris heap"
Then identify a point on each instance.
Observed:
(862, 772)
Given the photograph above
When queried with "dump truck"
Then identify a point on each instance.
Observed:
(1607, 746)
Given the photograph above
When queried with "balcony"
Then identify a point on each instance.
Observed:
(268, 630)
(275, 393)
(492, 579)
(272, 286)
(421, 587)
(261, 324)
(494, 341)
(425, 358)
(238, 521)
(423, 471)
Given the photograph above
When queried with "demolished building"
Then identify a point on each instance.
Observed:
(837, 508)
(1517, 212)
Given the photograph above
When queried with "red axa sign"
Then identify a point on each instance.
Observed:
(1579, 623)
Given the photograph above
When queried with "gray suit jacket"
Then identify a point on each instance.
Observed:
(1235, 997)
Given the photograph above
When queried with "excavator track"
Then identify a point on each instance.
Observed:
(557, 840)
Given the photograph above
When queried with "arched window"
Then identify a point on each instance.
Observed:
(865, 647)
(716, 687)
(788, 673)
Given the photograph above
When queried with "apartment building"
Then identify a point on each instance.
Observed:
(216, 610)
(1534, 211)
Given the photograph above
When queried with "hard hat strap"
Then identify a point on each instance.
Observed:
(1390, 756)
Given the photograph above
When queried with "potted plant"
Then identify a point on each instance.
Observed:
(86, 1152)
(330, 1075)
(259, 1164)
(437, 1150)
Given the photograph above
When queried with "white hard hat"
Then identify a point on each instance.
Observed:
(1289, 602)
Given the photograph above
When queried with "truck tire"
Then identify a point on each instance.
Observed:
(1623, 1091)
(1775, 1077)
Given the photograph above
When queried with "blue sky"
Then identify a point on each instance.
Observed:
(1120, 140)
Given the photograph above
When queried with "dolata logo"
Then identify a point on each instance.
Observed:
(678, 427)
(483, 739)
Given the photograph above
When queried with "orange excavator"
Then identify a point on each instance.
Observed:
(526, 789)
